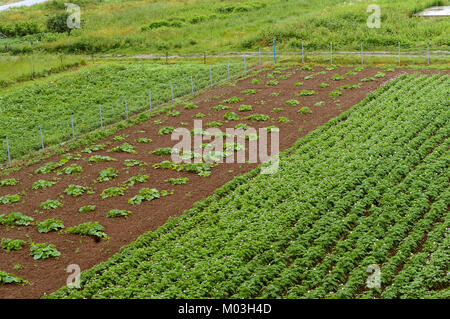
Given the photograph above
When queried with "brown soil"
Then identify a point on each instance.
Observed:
(46, 276)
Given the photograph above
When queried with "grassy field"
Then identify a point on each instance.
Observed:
(51, 102)
(368, 189)
(212, 26)
(15, 69)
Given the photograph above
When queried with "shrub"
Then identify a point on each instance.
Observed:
(244, 108)
(49, 225)
(42, 184)
(231, 116)
(50, 204)
(72, 169)
(112, 192)
(136, 179)
(292, 102)
(113, 213)
(87, 208)
(77, 190)
(9, 244)
(43, 251)
(166, 130)
(88, 229)
(232, 100)
(101, 158)
(177, 181)
(9, 182)
(9, 199)
(304, 110)
(58, 23)
(107, 174)
(15, 219)
(124, 148)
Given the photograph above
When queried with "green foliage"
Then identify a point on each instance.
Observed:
(255, 81)
(272, 128)
(77, 190)
(304, 110)
(276, 110)
(272, 83)
(249, 91)
(232, 100)
(320, 103)
(43, 251)
(178, 181)
(307, 68)
(338, 77)
(298, 83)
(190, 106)
(221, 107)
(242, 126)
(368, 79)
(199, 115)
(245, 107)
(9, 199)
(107, 174)
(8, 278)
(49, 167)
(94, 148)
(231, 116)
(136, 179)
(101, 158)
(87, 208)
(9, 244)
(124, 148)
(88, 229)
(112, 192)
(69, 170)
(9, 182)
(306, 93)
(258, 117)
(166, 130)
(58, 23)
(113, 213)
(292, 102)
(118, 138)
(380, 75)
(15, 219)
(132, 162)
(145, 194)
(335, 93)
(164, 151)
(50, 204)
(144, 140)
(214, 124)
(49, 225)
(324, 85)
(283, 119)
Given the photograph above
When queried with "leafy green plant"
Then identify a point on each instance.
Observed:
(43, 251)
(166, 130)
(231, 116)
(309, 77)
(221, 107)
(272, 128)
(304, 110)
(118, 138)
(107, 174)
(368, 79)
(8, 278)
(380, 75)
(136, 179)
(9, 199)
(9, 182)
(272, 83)
(331, 67)
(214, 124)
(177, 181)
(306, 93)
(88, 229)
(49, 225)
(42, 184)
(276, 110)
(255, 81)
(112, 192)
(164, 151)
(49, 167)
(124, 148)
(77, 190)
(113, 213)
(50, 204)
(242, 126)
(283, 119)
(337, 77)
(232, 100)
(306, 68)
(258, 117)
(145, 194)
(324, 85)
(335, 93)
(101, 158)
(9, 244)
(144, 140)
(249, 91)
(233, 146)
(94, 148)
(173, 113)
(275, 93)
(199, 115)
(87, 208)
(15, 219)
(245, 107)
(190, 106)
(69, 170)
(132, 162)
(292, 102)
(298, 83)
(320, 103)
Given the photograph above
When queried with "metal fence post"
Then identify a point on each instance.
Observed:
(398, 52)
(192, 86)
(303, 58)
(274, 53)
(259, 56)
(42, 137)
(150, 98)
(245, 66)
(126, 107)
(210, 77)
(331, 50)
(7, 149)
(73, 126)
(362, 54)
(101, 119)
(228, 69)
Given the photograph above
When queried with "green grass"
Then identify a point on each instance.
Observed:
(116, 26)
(368, 188)
(51, 102)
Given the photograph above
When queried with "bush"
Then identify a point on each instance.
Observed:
(58, 23)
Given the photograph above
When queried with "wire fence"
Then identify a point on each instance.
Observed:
(237, 64)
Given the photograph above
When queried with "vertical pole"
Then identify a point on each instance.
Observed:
(398, 52)
(7, 149)
(126, 107)
(167, 57)
(274, 53)
(259, 56)
(204, 57)
(245, 66)
(210, 77)
(228, 69)
(150, 98)
(73, 126)
(42, 137)
(303, 58)
(171, 92)
(428, 52)
(192, 86)
(331, 50)
(362, 54)
(101, 119)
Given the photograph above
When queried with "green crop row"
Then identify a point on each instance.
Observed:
(368, 189)
(53, 103)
